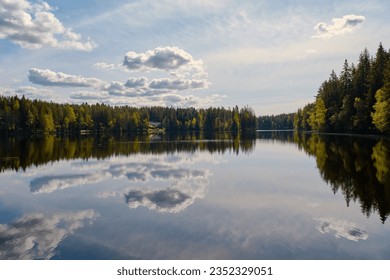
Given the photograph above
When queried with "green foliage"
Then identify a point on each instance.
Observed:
(355, 101)
(27, 116)
(277, 122)
(381, 116)
(318, 115)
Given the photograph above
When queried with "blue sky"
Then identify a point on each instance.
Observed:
(270, 55)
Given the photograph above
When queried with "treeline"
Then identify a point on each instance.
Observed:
(356, 100)
(276, 122)
(21, 115)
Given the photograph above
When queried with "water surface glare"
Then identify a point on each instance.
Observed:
(268, 196)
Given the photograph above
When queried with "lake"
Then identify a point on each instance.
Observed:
(273, 195)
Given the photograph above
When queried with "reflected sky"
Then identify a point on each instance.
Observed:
(168, 200)
(341, 229)
(276, 202)
(36, 236)
(48, 184)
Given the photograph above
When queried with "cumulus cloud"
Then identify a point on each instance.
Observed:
(36, 236)
(118, 88)
(163, 58)
(339, 26)
(49, 78)
(136, 82)
(185, 70)
(33, 25)
(341, 229)
(174, 90)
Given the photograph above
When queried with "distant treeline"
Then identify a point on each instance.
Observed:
(276, 122)
(21, 115)
(358, 100)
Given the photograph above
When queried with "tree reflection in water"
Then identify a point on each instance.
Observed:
(21, 153)
(356, 166)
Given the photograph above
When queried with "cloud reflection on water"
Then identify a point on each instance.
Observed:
(48, 184)
(162, 184)
(168, 200)
(169, 189)
(341, 229)
(36, 236)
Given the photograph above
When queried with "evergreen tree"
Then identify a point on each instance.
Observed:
(381, 114)
(356, 101)
(361, 86)
(347, 109)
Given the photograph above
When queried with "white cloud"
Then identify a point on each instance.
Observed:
(177, 100)
(339, 26)
(49, 78)
(136, 82)
(132, 98)
(163, 58)
(27, 91)
(188, 75)
(89, 95)
(176, 84)
(178, 62)
(105, 66)
(36, 236)
(33, 25)
(118, 88)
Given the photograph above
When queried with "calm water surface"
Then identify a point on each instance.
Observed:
(271, 196)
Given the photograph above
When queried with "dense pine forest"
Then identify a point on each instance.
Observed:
(21, 116)
(355, 101)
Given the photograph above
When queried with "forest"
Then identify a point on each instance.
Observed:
(24, 116)
(276, 122)
(355, 101)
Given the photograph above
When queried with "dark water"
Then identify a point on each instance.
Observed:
(268, 196)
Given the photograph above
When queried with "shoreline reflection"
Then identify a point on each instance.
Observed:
(19, 154)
